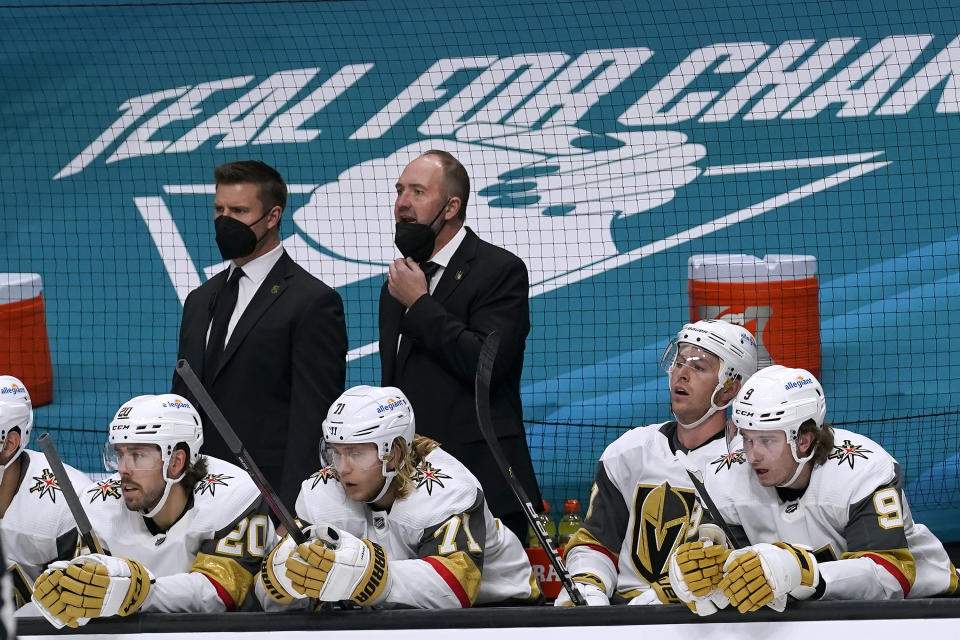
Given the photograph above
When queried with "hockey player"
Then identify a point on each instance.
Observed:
(186, 533)
(642, 497)
(394, 520)
(37, 525)
(821, 508)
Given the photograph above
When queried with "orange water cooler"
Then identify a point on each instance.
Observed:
(775, 297)
(24, 345)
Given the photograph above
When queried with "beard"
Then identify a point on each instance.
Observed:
(142, 500)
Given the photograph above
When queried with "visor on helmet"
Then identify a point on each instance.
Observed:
(137, 457)
(355, 456)
(696, 359)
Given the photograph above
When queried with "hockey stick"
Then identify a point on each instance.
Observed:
(696, 477)
(84, 528)
(239, 451)
(488, 354)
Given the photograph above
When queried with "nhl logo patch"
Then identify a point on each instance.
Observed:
(46, 485)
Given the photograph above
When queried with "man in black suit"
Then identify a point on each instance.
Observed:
(267, 339)
(440, 301)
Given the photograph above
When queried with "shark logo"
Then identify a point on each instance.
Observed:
(534, 190)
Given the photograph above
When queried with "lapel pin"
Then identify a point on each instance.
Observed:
(274, 289)
(459, 275)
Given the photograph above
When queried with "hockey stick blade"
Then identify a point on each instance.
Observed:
(236, 447)
(488, 354)
(84, 528)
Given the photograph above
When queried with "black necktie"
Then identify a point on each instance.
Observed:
(222, 311)
(403, 343)
(429, 269)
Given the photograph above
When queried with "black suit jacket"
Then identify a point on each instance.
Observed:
(284, 364)
(484, 288)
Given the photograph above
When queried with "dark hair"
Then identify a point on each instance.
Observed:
(195, 472)
(273, 190)
(456, 178)
(822, 441)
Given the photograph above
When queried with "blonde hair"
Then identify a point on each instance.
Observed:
(410, 458)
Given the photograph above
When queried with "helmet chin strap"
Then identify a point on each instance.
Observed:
(801, 462)
(388, 480)
(712, 410)
(693, 425)
(168, 482)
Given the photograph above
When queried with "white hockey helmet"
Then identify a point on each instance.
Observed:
(779, 398)
(16, 412)
(731, 343)
(365, 414)
(164, 420)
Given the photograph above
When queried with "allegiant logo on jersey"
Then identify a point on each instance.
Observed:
(798, 383)
(391, 404)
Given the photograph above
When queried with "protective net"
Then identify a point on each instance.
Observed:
(608, 143)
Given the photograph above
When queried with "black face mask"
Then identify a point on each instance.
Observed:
(415, 240)
(235, 239)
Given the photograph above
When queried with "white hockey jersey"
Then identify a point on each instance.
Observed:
(206, 561)
(642, 506)
(853, 515)
(444, 548)
(38, 527)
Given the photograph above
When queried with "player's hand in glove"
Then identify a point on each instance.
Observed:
(273, 573)
(91, 586)
(339, 566)
(46, 595)
(660, 592)
(589, 586)
(765, 574)
(696, 569)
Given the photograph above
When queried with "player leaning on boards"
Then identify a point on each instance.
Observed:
(824, 520)
(393, 521)
(642, 497)
(187, 535)
(37, 527)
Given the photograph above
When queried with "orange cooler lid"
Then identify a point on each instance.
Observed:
(741, 267)
(15, 287)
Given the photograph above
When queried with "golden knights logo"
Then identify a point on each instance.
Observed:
(109, 488)
(727, 460)
(660, 518)
(324, 475)
(848, 452)
(210, 482)
(427, 475)
(46, 485)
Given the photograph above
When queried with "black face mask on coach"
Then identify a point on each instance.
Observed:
(234, 238)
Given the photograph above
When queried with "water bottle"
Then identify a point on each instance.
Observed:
(548, 525)
(570, 522)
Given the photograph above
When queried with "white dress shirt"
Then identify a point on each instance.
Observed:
(254, 273)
